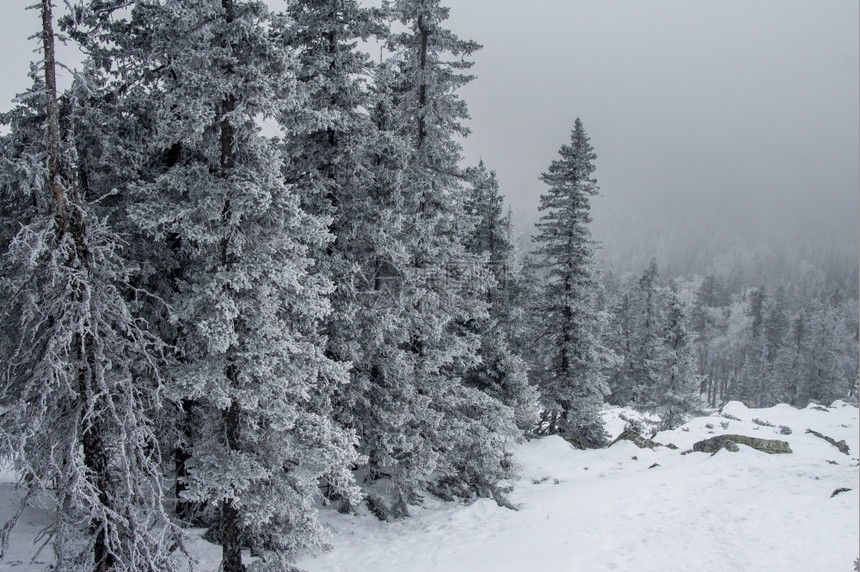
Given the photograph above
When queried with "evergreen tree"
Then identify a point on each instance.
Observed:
(827, 373)
(570, 376)
(329, 135)
(776, 324)
(417, 415)
(236, 247)
(81, 382)
(788, 374)
(675, 394)
(502, 373)
(705, 321)
(648, 317)
(24, 165)
(622, 341)
(752, 386)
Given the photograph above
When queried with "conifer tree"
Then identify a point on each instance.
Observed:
(705, 321)
(568, 325)
(236, 248)
(640, 318)
(675, 394)
(649, 314)
(81, 383)
(752, 385)
(622, 340)
(502, 373)
(416, 415)
(829, 363)
(789, 373)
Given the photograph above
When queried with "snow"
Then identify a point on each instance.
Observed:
(604, 510)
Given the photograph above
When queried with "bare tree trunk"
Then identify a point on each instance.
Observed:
(187, 511)
(53, 118)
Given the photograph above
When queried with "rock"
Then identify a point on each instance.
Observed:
(654, 465)
(841, 445)
(672, 446)
(730, 443)
(636, 439)
(839, 490)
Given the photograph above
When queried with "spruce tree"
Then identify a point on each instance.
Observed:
(789, 371)
(416, 415)
(705, 321)
(751, 386)
(649, 314)
(234, 244)
(622, 341)
(568, 325)
(828, 360)
(501, 373)
(82, 383)
(675, 394)
(639, 320)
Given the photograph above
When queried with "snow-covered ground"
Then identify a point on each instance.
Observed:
(608, 509)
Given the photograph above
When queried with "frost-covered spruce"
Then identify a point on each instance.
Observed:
(80, 385)
(244, 300)
(502, 372)
(822, 364)
(344, 165)
(568, 324)
(415, 415)
(675, 394)
(638, 322)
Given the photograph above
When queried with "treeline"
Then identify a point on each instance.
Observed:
(789, 342)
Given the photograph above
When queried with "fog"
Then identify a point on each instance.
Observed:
(715, 123)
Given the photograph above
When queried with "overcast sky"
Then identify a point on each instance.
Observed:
(712, 116)
(725, 115)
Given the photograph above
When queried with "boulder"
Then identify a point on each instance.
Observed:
(730, 443)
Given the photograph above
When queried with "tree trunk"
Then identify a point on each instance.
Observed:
(231, 540)
(422, 88)
(62, 180)
(185, 510)
(53, 119)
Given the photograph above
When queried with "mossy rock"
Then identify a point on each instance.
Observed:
(636, 439)
(731, 442)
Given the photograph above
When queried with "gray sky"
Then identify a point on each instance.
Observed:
(708, 117)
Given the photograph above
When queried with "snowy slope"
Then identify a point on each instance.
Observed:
(605, 510)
